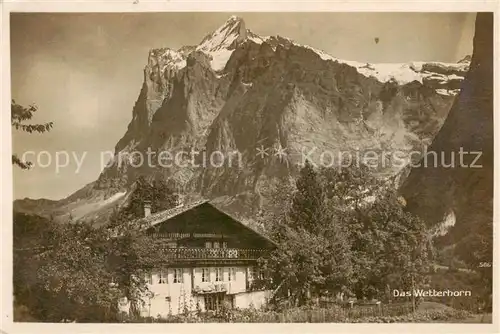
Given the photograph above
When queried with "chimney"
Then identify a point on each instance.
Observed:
(180, 200)
(147, 208)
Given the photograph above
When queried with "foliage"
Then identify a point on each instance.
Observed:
(22, 313)
(61, 275)
(307, 210)
(158, 193)
(444, 315)
(388, 314)
(32, 234)
(393, 244)
(19, 115)
(133, 254)
(313, 256)
(78, 272)
(476, 250)
(74, 271)
(345, 231)
(460, 280)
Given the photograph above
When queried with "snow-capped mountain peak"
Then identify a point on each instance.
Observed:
(220, 44)
(224, 37)
(168, 58)
(277, 92)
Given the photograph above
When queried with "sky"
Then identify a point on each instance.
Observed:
(84, 71)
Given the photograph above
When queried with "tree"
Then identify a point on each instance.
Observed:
(73, 278)
(79, 272)
(31, 235)
(390, 247)
(476, 250)
(19, 115)
(59, 272)
(24, 277)
(385, 240)
(307, 207)
(299, 263)
(313, 257)
(158, 193)
(133, 253)
(346, 231)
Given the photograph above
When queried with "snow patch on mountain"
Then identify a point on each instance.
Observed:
(220, 44)
(223, 37)
(448, 222)
(169, 58)
(176, 59)
(462, 66)
(220, 59)
(241, 111)
(113, 198)
(402, 73)
(448, 92)
(256, 38)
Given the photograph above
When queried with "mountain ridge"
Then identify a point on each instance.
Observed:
(236, 90)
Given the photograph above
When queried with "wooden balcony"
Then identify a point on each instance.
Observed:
(215, 254)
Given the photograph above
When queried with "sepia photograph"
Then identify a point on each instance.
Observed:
(251, 167)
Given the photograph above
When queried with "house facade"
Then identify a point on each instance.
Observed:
(210, 260)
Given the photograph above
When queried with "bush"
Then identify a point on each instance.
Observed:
(444, 315)
(23, 314)
(318, 315)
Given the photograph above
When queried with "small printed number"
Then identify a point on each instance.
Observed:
(484, 264)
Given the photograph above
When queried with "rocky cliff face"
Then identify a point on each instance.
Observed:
(274, 102)
(465, 190)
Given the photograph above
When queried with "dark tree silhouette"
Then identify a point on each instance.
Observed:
(19, 115)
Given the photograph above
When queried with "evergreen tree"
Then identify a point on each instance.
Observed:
(346, 231)
(158, 193)
(313, 257)
(307, 209)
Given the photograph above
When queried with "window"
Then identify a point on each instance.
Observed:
(218, 274)
(224, 244)
(178, 275)
(231, 275)
(205, 275)
(162, 277)
(213, 302)
(208, 244)
(216, 244)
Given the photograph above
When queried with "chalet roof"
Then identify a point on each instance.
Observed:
(162, 216)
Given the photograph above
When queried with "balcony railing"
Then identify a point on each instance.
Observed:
(213, 253)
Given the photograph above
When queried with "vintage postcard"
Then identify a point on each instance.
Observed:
(248, 166)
